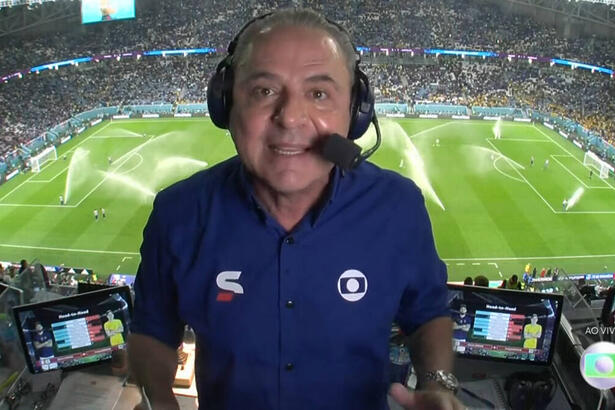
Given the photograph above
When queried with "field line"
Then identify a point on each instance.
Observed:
(33, 174)
(122, 160)
(522, 177)
(17, 187)
(49, 180)
(502, 172)
(429, 129)
(586, 212)
(77, 145)
(569, 171)
(520, 139)
(556, 143)
(5, 245)
(106, 137)
(517, 258)
(38, 206)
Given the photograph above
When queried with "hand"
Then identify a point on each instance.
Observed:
(424, 399)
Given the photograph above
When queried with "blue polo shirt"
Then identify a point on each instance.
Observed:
(297, 320)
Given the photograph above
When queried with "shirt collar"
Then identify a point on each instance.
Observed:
(331, 192)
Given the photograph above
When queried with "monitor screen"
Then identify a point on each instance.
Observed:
(74, 331)
(117, 279)
(96, 11)
(506, 325)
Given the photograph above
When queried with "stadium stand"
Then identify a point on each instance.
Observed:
(55, 102)
(450, 80)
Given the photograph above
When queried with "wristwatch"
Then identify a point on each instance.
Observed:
(444, 379)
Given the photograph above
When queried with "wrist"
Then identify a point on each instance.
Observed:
(440, 380)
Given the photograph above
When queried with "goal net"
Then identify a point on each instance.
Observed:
(48, 154)
(591, 160)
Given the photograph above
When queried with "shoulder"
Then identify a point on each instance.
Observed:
(193, 190)
(379, 182)
(185, 205)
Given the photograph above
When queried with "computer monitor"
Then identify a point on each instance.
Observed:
(504, 325)
(74, 331)
(84, 287)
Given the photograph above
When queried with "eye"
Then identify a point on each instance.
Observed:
(262, 92)
(265, 92)
(319, 94)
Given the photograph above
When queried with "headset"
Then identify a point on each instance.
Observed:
(362, 107)
(530, 391)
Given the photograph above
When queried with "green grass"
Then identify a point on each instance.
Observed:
(492, 213)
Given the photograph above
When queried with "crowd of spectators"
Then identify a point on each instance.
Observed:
(33, 104)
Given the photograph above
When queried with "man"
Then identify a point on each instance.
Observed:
(269, 256)
(96, 214)
(461, 326)
(114, 329)
(513, 283)
(532, 332)
(43, 347)
(565, 205)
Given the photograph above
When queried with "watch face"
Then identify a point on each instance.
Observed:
(445, 379)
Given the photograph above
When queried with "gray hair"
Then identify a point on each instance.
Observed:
(292, 18)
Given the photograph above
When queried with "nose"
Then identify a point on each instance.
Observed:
(291, 111)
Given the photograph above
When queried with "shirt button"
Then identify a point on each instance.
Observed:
(289, 366)
(290, 304)
(289, 240)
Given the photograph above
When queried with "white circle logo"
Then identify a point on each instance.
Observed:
(598, 365)
(352, 285)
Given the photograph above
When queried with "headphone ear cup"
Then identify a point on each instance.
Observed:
(218, 101)
(362, 106)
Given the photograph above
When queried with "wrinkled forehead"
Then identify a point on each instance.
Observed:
(272, 44)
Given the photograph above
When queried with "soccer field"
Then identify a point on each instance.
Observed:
(492, 211)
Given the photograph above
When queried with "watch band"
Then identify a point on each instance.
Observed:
(444, 379)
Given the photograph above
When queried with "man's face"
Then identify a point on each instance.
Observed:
(292, 91)
(39, 328)
(463, 310)
(534, 320)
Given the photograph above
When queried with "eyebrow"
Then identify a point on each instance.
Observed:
(316, 78)
(260, 74)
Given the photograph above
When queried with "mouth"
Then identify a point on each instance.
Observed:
(288, 151)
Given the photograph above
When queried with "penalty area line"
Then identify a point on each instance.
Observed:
(47, 248)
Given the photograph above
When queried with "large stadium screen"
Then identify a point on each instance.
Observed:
(96, 11)
(508, 325)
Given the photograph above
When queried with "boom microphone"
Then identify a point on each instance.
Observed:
(341, 151)
(344, 153)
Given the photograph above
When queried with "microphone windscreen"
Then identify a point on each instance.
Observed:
(341, 151)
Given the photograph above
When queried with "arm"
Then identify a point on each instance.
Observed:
(156, 328)
(156, 376)
(431, 349)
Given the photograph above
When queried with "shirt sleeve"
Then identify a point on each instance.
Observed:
(156, 308)
(425, 296)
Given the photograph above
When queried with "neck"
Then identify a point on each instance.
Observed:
(289, 208)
